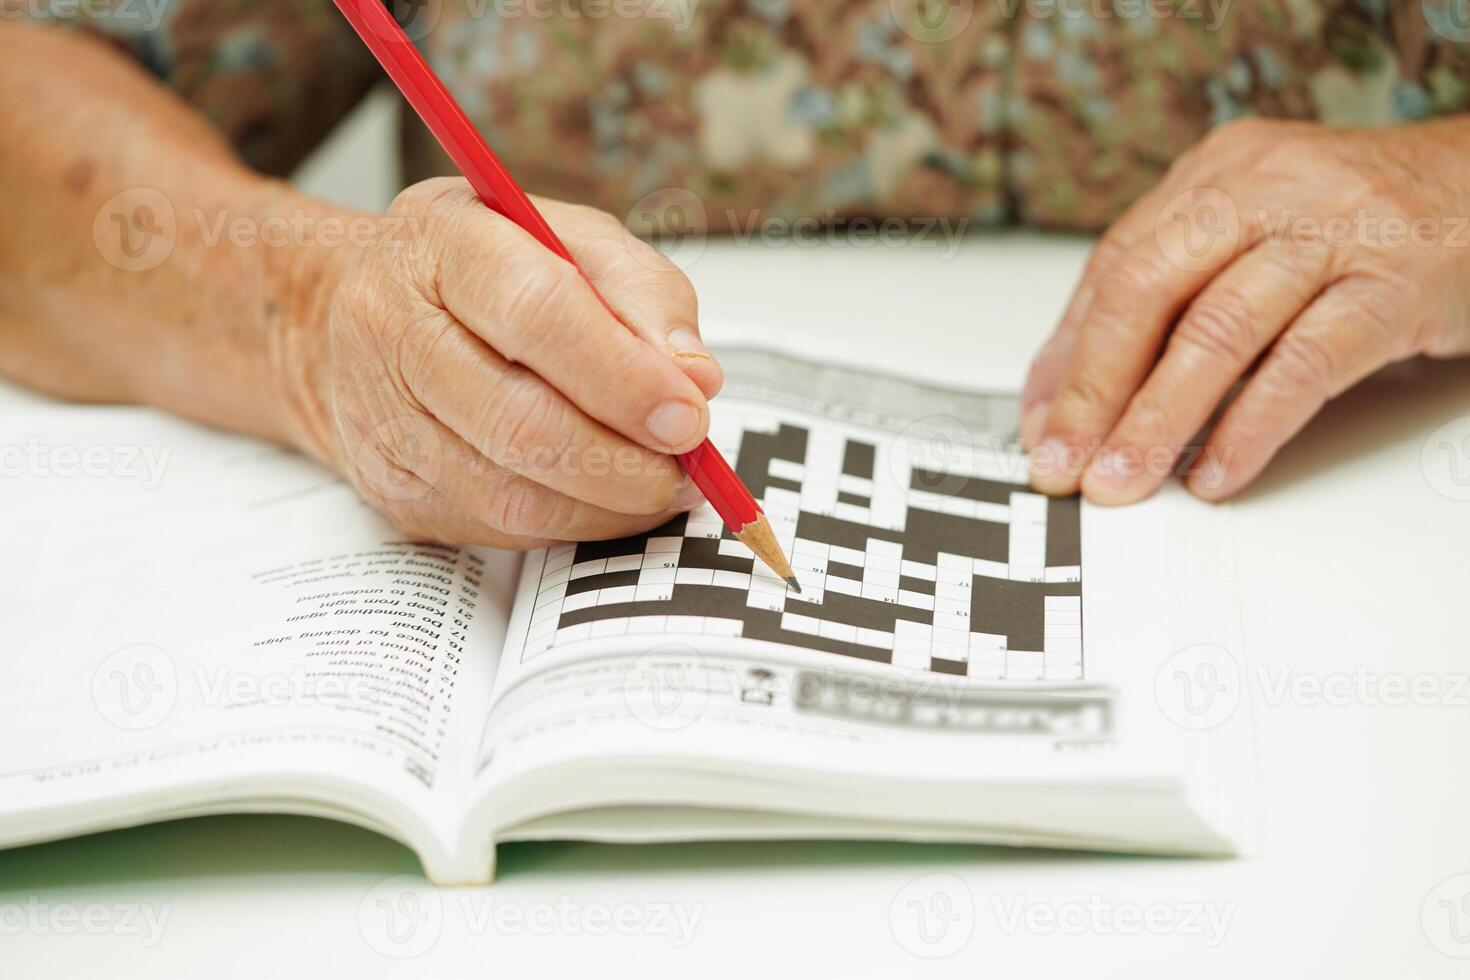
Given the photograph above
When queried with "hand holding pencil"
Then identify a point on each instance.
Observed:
(476, 391)
(594, 375)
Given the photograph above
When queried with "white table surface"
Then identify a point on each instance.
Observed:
(1354, 557)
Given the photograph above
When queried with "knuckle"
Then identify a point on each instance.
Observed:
(1242, 130)
(657, 267)
(1381, 313)
(1220, 327)
(520, 507)
(1286, 156)
(1110, 325)
(427, 195)
(1111, 247)
(680, 292)
(652, 375)
(533, 295)
(414, 350)
(528, 418)
(1132, 276)
(1250, 423)
(1306, 362)
(665, 282)
(1105, 254)
(597, 220)
(1149, 422)
(1081, 398)
(394, 452)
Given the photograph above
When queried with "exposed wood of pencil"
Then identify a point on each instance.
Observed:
(758, 537)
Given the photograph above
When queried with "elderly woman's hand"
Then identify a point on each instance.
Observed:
(474, 389)
(465, 379)
(1292, 256)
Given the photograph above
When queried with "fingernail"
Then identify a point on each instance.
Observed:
(1033, 422)
(686, 342)
(1111, 471)
(674, 423)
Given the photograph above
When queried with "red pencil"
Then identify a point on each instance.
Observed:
(488, 176)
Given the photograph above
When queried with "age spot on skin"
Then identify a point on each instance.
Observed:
(78, 177)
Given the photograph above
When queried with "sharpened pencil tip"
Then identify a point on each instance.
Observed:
(795, 585)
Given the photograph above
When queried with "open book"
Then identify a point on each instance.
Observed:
(201, 623)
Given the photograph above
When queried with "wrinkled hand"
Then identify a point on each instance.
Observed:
(1315, 255)
(476, 391)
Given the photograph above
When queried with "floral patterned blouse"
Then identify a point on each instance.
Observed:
(1054, 113)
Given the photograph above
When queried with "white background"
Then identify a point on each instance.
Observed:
(1354, 556)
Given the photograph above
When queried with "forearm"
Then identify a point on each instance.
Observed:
(139, 259)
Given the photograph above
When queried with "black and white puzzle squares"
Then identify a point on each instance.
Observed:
(949, 567)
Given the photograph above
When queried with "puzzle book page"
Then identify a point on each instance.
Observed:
(906, 515)
(944, 607)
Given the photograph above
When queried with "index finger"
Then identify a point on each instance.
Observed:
(536, 309)
(1138, 298)
(649, 293)
(1135, 224)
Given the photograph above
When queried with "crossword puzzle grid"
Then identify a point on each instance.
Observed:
(949, 570)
